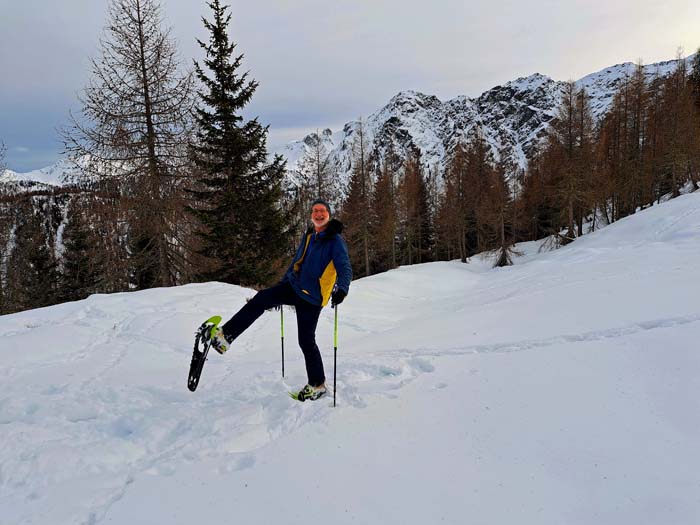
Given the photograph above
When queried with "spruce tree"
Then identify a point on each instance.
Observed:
(31, 267)
(81, 259)
(237, 198)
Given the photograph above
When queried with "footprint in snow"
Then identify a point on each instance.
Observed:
(422, 365)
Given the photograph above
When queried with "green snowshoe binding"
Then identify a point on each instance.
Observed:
(309, 392)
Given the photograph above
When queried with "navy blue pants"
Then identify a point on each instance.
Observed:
(307, 319)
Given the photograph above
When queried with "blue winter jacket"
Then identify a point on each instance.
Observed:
(321, 262)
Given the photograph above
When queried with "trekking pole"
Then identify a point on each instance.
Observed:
(335, 349)
(282, 335)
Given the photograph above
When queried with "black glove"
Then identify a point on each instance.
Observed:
(337, 297)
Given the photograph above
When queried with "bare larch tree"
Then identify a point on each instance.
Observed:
(133, 133)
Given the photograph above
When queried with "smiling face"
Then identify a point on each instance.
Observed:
(320, 217)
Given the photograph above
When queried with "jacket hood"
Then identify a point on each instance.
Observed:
(335, 227)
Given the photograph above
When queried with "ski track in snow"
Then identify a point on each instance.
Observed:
(530, 344)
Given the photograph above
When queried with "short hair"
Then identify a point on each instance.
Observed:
(324, 203)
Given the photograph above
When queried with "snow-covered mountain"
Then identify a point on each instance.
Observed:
(563, 389)
(513, 118)
(47, 178)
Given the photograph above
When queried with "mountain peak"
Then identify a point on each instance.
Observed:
(408, 94)
(409, 98)
(529, 82)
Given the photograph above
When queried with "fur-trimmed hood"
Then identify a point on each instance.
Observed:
(335, 227)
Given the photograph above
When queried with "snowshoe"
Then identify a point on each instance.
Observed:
(202, 343)
(309, 392)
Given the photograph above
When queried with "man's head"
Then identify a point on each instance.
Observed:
(320, 214)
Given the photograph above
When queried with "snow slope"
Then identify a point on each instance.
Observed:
(562, 390)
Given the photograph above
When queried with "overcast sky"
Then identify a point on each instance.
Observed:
(323, 63)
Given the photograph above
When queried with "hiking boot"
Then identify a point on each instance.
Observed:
(310, 392)
(219, 341)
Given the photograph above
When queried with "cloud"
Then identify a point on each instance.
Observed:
(21, 149)
(320, 63)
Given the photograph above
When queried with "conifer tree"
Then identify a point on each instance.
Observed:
(638, 138)
(416, 220)
(478, 167)
(237, 198)
(383, 224)
(653, 162)
(498, 216)
(677, 128)
(614, 152)
(32, 275)
(568, 156)
(82, 258)
(622, 144)
(695, 95)
(453, 209)
(356, 213)
(536, 205)
(433, 202)
(133, 136)
(695, 78)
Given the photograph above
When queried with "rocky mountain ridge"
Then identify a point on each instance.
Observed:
(513, 118)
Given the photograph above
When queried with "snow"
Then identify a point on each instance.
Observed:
(513, 118)
(563, 389)
(53, 175)
(602, 85)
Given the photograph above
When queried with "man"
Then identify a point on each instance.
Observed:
(319, 271)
